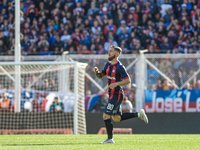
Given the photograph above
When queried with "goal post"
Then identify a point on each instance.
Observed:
(39, 85)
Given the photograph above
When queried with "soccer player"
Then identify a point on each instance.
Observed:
(117, 76)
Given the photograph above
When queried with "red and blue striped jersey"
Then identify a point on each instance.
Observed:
(115, 73)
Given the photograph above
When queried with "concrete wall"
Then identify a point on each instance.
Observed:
(159, 123)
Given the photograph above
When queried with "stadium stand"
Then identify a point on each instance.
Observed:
(90, 27)
(83, 27)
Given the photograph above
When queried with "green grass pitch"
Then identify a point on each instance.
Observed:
(91, 142)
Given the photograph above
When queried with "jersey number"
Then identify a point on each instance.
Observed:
(110, 106)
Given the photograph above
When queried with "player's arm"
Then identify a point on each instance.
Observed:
(120, 83)
(124, 75)
(98, 73)
(124, 82)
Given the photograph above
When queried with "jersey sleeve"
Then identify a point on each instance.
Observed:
(104, 69)
(123, 72)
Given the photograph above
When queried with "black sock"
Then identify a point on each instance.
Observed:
(109, 128)
(128, 115)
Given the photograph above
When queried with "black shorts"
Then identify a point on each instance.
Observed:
(113, 106)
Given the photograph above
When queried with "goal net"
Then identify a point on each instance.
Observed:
(42, 98)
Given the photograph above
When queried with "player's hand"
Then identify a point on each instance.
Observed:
(95, 69)
(112, 86)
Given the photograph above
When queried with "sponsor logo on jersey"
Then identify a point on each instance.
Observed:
(112, 78)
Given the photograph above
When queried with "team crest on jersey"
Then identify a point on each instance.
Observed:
(113, 71)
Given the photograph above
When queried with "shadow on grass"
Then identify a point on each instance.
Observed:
(49, 144)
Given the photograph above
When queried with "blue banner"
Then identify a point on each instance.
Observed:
(172, 101)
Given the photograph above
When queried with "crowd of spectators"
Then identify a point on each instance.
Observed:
(90, 27)
(182, 73)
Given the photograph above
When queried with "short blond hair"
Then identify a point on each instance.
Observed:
(117, 48)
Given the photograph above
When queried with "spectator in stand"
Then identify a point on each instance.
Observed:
(164, 6)
(27, 4)
(43, 105)
(183, 17)
(35, 106)
(6, 104)
(3, 37)
(33, 46)
(96, 28)
(65, 38)
(76, 36)
(190, 64)
(42, 43)
(105, 12)
(45, 85)
(188, 86)
(86, 39)
(46, 51)
(136, 28)
(164, 64)
(197, 87)
(110, 27)
(147, 9)
(84, 50)
(126, 105)
(137, 47)
(170, 73)
(187, 28)
(79, 8)
(188, 5)
(168, 15)
(166, 85)
(35, 25)
(196, 16)
(101, 104)
(56, 50)
(122, 26)
(133, 13)
(172, 37)
(159, 85)
(151, 49)
(72, 50)
(166, 46)
(92, 9)
(70, 43)
(26, 43)
(109, 43)
(57, 105)
(3, 48)
(58, 43)
(195, 45)
(160, 28)
(197, 28)
(124, 36)
(145, 39)
(158, 38)
(32, 12)
(181, 48)
(150, 27)
(192, 51)
(153, 87)
(152, 76)
(174, 25)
